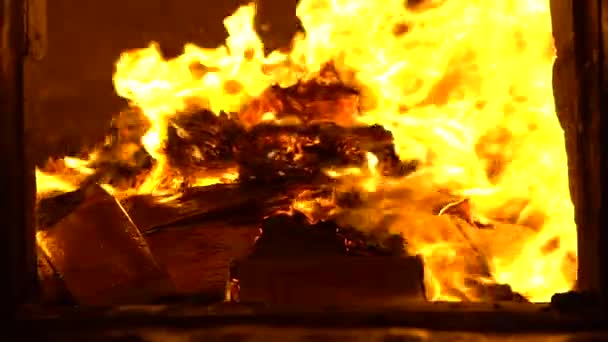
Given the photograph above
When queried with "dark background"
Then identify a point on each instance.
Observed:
(69, 93)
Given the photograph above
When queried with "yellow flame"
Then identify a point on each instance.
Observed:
(47, 183)
(78, 164)
(370, 184)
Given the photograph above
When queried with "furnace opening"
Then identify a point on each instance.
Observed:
(386, 129)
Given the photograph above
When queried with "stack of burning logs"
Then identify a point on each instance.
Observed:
(95, 249)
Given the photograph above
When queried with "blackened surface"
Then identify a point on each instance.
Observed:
(17, 257)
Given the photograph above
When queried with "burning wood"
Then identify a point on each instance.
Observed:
(228, 203)
(288, 146)
(197, 256)
(287, 164)
(273, 152)
(294, 236)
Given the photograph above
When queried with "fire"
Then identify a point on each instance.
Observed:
(463, 85)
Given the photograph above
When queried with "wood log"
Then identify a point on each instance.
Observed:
(196, 236)
(95, 247)
(198, 257)
(214, 203)
(328, 281)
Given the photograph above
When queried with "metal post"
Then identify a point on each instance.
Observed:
(17, 184)
(580, 83)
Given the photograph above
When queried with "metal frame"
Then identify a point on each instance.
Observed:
(17, 181)
(579, 86)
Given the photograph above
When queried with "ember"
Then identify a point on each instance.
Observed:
(389, 130)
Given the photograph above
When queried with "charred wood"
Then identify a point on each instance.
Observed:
(228, 203)
(292, 235)
(201, 140)
(273, 152)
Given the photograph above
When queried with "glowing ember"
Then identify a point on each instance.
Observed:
(463, 85)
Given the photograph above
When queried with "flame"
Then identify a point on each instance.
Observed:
(372, 166)
(468, 86)
(463, 85)
(48, 183)
(62, 175)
